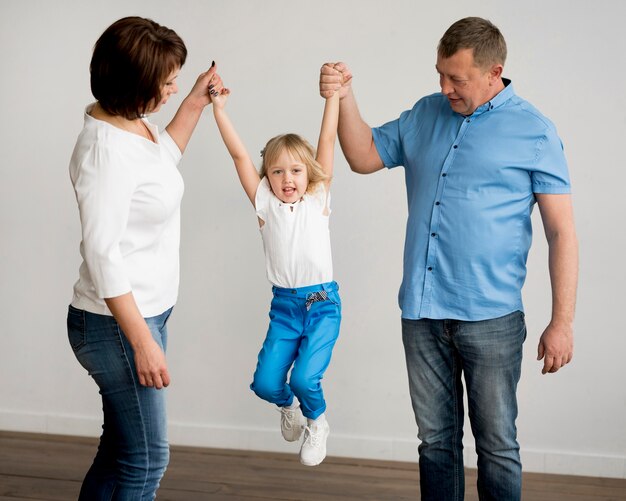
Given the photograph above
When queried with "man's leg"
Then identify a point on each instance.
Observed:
(491, 351)
(434, 372)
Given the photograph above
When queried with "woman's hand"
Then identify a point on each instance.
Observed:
(151, 365)
(149, 357)
(207, 85)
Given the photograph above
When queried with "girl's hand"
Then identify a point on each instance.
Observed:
(207, 85)
(219, 98)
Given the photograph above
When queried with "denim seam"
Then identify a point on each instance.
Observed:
(135, 382)
(456, 429)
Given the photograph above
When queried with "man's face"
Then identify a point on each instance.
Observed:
(466, 85)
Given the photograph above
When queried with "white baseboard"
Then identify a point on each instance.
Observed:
(392, 449)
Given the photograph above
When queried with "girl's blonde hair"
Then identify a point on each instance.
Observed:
(300, 149)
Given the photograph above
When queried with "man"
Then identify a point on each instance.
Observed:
(476, 158)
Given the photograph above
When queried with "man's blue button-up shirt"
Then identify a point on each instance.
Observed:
(470, 185)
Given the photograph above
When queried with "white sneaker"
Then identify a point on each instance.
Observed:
(313, 449)
(292, 423)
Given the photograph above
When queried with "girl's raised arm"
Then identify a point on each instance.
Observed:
(328, 135)
(246, 170)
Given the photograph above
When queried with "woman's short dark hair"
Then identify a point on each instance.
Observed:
(131, 60)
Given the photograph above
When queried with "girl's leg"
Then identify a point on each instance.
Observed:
(278, 352)
(133, 451)
(318, 339)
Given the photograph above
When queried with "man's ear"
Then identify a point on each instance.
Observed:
(495, 73)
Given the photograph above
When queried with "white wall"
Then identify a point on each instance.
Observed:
(565, 56)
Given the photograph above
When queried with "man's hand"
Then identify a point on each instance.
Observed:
(556, 348)
(335, 77)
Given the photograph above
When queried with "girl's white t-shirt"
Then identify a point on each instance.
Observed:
(296, 237)
(129, 192)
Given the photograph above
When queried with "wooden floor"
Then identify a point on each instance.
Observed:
(51, 467)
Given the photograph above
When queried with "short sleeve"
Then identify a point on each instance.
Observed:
(388, 143)
(262, 198)
(320, 197)
(550, 174)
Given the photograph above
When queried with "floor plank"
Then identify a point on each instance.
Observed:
(51, 467)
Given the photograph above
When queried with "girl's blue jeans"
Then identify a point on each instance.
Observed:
(489, 355)
(302, 336)
(133, 452)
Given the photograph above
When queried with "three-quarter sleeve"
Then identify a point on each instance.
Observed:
(170, 146)
(104, 186)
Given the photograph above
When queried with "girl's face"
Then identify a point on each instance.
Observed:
(288, 178)
(167, 89)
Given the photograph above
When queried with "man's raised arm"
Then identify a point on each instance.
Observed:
(355, 136)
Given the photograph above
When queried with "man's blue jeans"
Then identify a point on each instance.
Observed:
(133, 452)
(489, 355)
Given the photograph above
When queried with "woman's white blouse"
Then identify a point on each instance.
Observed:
(296, 237)
(129, 192)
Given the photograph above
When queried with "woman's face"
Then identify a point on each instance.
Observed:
(167, 89)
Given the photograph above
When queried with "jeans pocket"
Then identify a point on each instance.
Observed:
(76, 328)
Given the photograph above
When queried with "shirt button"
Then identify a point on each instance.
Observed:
(444, 174)
(468, 120)
(433, 234)
(437, 203)
(455, 146)
(430, 268)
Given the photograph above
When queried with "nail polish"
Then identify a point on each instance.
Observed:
(212, 64)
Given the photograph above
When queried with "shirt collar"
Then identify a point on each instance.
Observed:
(498, 100)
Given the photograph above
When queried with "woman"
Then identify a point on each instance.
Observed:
(128, 188)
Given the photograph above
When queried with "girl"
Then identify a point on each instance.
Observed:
(128, 189)
(291, 198)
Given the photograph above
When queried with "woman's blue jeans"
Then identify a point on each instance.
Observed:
(301, 333)
(133, 452)
(489, 355)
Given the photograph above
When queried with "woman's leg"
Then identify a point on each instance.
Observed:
(133, 451)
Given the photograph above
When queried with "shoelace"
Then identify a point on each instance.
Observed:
(289, 416)
(311, 436)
